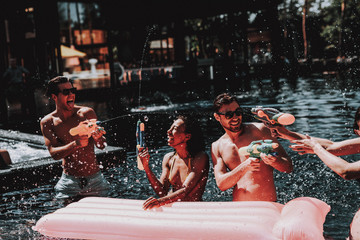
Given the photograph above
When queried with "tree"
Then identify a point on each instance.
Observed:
(342, 26)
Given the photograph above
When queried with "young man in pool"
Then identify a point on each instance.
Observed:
(81, 173)
(251, 178)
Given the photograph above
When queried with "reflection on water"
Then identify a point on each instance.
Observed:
(322, 108)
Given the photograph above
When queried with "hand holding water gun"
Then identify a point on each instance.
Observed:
(255, 148)
(273, 119)
(272, 116)
(140, 142)
(88, 128)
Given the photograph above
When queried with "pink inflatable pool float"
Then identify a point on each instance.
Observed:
(110, 218)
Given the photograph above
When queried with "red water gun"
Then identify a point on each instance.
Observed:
(272, 116)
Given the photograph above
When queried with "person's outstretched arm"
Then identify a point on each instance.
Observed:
(343, 168)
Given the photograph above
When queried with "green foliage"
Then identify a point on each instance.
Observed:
(350, 27)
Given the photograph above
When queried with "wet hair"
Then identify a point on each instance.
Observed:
(196, 143)
(356, 119)
(52, 85)
(223, 99)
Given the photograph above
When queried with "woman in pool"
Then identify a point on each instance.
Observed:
(328, 152)
(185, 170)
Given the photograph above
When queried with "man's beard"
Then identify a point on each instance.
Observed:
(234, 129)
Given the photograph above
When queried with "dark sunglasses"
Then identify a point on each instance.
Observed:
(230, 114)
(67, 91)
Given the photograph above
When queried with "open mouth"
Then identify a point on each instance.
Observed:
(170, 139)
(70, 102)
(235, 123)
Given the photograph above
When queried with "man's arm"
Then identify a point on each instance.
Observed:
(56, 150)
(282, 162)
(225, 179)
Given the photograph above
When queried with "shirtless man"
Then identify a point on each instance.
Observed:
(185, 169)
(81, 173)
(251, 178)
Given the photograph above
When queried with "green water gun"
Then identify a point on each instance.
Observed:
(255, 148)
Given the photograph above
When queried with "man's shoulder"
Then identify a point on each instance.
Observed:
(83, 109)
(220, 140)
(257, 129)
(47, 118)
(253, 126)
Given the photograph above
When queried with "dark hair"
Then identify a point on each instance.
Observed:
(196, 143)
(357, 118)
(52, 85)
(223, 99)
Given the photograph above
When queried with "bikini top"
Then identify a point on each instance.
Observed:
(172, 166)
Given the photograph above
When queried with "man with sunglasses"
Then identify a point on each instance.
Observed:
(81, 173)
(251, 178)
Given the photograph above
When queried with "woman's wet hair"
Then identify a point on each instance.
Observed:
(52, 85)
(223, 99)
(196, 143)
(356, 119)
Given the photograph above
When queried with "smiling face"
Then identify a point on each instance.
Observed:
(176, 134)
(233, 124)
(64, 102)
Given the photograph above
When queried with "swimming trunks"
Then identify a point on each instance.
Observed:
(172, 166)
(71, 186)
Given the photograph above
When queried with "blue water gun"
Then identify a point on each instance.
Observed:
(140, 141)
(255, 148)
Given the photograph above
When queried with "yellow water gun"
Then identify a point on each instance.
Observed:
(86, 127)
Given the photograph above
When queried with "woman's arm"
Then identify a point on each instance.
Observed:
(161, 187)
(343, 168)
(199, 170)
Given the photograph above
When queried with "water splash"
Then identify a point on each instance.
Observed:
(150, 31)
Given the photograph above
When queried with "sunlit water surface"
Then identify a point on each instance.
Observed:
(322, 108)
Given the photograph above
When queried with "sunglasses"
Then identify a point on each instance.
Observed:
(230, 114)
(67, 91)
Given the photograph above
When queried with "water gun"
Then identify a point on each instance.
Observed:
(86, 127)
(255, 148)
(272, 116)
(140, 142)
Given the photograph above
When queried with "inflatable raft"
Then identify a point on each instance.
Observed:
(110, 218)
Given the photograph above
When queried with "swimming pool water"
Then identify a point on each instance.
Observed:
(322, 107)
